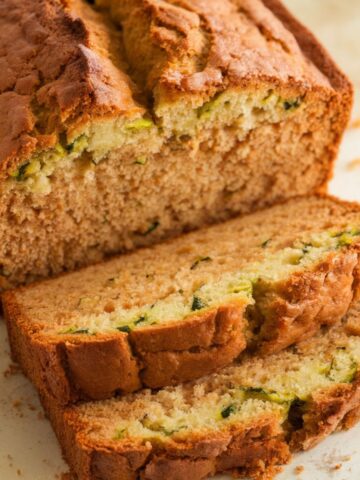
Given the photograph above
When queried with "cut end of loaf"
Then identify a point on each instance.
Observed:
(195, 296)
(183, 123)
(157, 118)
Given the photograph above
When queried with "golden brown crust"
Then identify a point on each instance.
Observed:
(85, 367)
(235, 42)
(56, 74)
(329, 410)
(296, 310)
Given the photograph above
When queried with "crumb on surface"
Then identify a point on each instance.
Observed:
(353, 164)
(355, 123)
(299, 469)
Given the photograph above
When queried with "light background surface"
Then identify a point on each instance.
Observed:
(28, 448)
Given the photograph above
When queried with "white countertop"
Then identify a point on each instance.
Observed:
(28, 448)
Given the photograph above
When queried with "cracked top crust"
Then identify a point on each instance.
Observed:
(64, 64)
(196, 45)
(57, 70)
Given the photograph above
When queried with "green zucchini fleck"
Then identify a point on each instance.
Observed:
(290, 105)
(266, 243)
(267, 395)
(197, 303)
(306, 248)
(227, 411)
(199, 260)
(124, 329)
(141, 319)
(346, 238)
(141, 161)
(76, 331)
(139, 124)
(20, 173)
(343, 367)
(151, 228)
(119, 435)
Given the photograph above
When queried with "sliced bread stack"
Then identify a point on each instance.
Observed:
(239, 292)
(245, 421)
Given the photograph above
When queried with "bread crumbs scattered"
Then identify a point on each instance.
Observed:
(332, 461)
(299, 469)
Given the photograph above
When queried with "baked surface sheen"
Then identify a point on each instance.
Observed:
(185, 308)
(246, 420)
(127, 122)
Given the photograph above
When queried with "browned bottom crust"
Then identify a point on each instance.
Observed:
(257, 450)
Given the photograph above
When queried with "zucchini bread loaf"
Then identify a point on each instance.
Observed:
(182, 309)
(246, 420)
(125, 122)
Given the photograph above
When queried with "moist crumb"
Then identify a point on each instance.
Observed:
(299, 469)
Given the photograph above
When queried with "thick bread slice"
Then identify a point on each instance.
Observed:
(129, 121)
(183, 309)
(246, 420)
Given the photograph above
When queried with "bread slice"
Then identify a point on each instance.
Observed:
(182, 309)
(246, 420)
(126, 122)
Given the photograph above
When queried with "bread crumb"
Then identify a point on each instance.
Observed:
(10, 459)
(353, 164)
(18, 472)
(355, 123)
(13, 369)
(333, 461)
(17, 404)
(299, 469)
